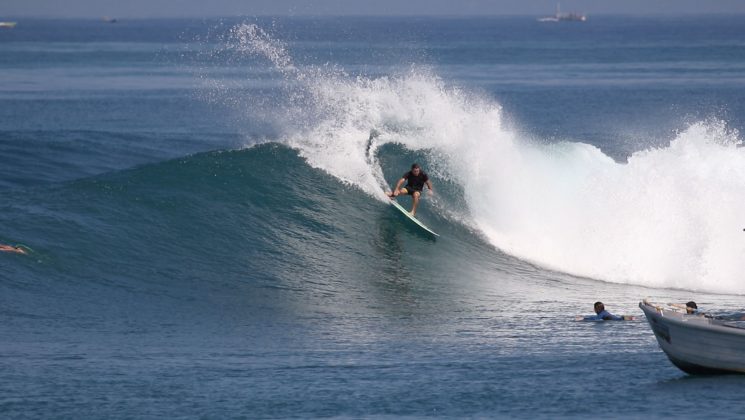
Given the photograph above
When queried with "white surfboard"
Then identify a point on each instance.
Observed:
(412, 218)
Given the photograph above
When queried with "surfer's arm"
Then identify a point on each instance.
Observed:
(429, 185)
(398, 185)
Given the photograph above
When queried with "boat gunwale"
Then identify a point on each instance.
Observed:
(678, 321)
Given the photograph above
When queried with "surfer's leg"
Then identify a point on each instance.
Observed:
(415, 198)
(401, 191)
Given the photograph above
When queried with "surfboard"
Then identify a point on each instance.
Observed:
(581, 318)
(412, 218)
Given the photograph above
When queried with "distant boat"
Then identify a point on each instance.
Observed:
(697, 343)
(8, 25)
(108, 19)
(564, 17)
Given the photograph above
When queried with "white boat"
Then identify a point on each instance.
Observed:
(564, 17)
(697, 343)
(8, 25)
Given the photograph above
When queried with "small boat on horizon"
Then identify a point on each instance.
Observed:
(564, 17)
(9, 25)
(697, 343)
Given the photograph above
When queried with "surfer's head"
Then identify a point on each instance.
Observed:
(599, 307)
(415, 168)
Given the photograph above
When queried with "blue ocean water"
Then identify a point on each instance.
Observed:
(210, 238)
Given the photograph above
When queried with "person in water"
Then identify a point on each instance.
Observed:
(415, 179)
(602, 315)
(691, 308)
(9, 248)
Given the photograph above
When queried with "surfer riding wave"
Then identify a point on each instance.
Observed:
(415, 181)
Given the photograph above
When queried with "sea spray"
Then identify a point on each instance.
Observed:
(331, 116)
(669, 217)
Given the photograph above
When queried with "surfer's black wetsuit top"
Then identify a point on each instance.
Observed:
(414, 182)
(604, 316)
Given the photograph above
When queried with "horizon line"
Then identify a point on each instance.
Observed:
(432, 15)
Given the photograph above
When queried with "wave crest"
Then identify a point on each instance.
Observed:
(669, 217)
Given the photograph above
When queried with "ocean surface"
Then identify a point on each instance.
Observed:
(203, 204)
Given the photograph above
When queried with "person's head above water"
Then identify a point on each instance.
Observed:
(599, 307)
(691, 307)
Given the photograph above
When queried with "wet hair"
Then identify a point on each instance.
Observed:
(414, 166)
(598, 304)
(691, 304)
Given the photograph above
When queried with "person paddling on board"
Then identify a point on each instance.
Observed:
(9, 248)
(415, 179)
(602, 315)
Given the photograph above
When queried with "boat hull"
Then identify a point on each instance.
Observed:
(696, 344)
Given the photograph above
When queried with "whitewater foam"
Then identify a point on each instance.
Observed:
(669, 217)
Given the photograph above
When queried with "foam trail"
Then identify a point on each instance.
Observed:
(670, 217)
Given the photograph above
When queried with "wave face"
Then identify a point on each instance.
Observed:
(188, 233)
(668, 217)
